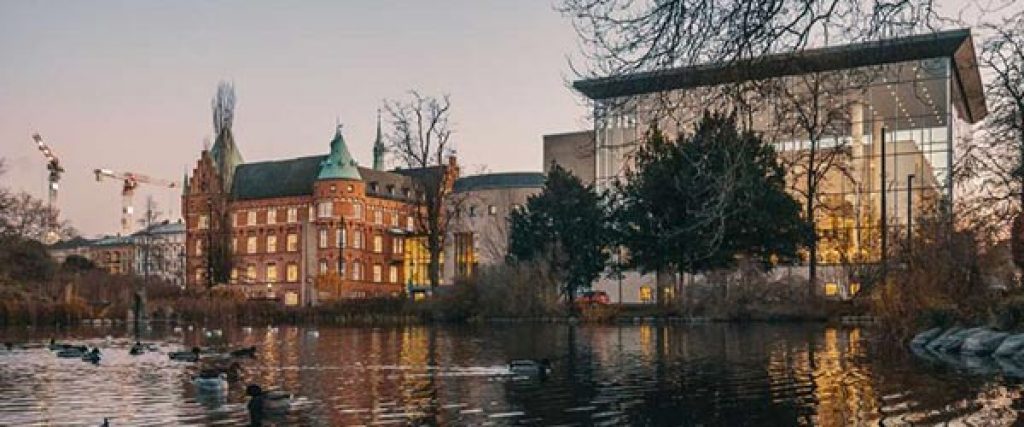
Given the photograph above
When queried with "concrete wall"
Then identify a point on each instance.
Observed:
(573, 151)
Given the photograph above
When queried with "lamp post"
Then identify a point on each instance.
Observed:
(910, 203)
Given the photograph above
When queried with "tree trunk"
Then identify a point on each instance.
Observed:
(664, 280)
(812, 245)
(434, 269)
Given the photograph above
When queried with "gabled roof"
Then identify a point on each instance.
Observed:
(296, 177)
(954, 44)
(500, 180)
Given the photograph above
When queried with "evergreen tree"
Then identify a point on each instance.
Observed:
(566, 226)
(701, 202)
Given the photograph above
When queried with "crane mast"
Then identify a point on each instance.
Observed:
(129, 182)
(55, 170)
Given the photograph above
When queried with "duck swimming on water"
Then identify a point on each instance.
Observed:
(530, 367)
(185, 356)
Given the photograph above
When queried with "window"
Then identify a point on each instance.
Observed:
(339, 236)
(472, 211)
(292, 272)
(349, 188)
(393, 274)
(394, 219)
(271, 216)
(239, 218)
(250, 244)
(516, 207)
(408, 223)
(831, 289)
(357, 240)
(204, 221)
(378, 217)
(271, 243)
(199, 247)
(250, 272)
(322, 238)
(377, 272)
(199, 275)
(465, 256)
(646, 294)
(325, 209)
(234, 245)
(396, 245)
(293, 215)
(271, 272)
(291, 298)
(378, 243)
(357, 211)
(251, 217)
(234, 275)
(492, 210)
(322, 267)
(357, 271)
(292, 242)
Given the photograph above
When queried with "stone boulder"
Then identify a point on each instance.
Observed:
(1011, 346)
(936, 344)
(983, 343)
(925, 337)
(952, 342)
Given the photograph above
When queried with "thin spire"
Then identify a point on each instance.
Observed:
(378, 147)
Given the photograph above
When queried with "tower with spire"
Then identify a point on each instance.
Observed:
(378, 147)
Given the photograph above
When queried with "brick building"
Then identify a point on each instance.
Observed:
(304, 229)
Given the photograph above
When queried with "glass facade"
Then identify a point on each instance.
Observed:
(838, 118)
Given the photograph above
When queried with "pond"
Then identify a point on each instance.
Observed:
(732, 374)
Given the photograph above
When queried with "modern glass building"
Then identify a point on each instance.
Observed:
(880, 119)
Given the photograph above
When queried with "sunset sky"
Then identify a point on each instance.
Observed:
(127, 85)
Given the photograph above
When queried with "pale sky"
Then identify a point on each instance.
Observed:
(127, 85)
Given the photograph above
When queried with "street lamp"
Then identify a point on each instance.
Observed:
(910, 202)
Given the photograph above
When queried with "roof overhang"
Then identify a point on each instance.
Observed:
(954, 44)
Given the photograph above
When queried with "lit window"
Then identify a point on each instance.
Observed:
(516, 207)
(199, 247)
(204, 222)
(292, 272)
(322, 267)
(831, 289)
(234, 274)
(250, 245)
(396, 245)
(394, 219)
(293, 215)
(378, 217)
(378, 243)
(340, 236)
(409, 223)
(271, 272)
(646, 294)
(854, 288)
(325, 209)
(271, 243)
(393, 274)
(272, 216)
(349, 188)
(251, 217)
(357, 271)
(357, 240)
(357, 211)
(292, 242)
(322, 238)
(250, 272)
(199, 275)
(377, 273)
(234, 245)
(291, 298)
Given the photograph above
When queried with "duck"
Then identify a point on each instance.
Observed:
(71, 352)
(261, 401)
(313, 334)
(54, 345)
(247, 329)
(244, 352)
(210, 380)
(185, 356)
(530, 367)
(92, 356)
(137, 349)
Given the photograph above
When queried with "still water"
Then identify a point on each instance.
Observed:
(712, 374)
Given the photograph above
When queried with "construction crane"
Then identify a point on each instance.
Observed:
(52, 165)
(129, 182)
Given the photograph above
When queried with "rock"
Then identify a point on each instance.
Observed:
(1010, 367)
(983, 343)
(1012, 345)
(952, 342)
(937, 343)
(925, 337)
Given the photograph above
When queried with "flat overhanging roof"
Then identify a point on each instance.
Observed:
(954, 44)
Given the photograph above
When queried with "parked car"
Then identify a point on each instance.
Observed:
(594, 297)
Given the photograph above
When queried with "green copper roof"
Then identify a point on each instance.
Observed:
(339, 164)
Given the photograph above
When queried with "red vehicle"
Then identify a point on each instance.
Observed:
(594, 297)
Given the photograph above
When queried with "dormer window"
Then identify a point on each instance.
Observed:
(373, 187)
(391, 189)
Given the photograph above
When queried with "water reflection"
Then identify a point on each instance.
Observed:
(602, 375)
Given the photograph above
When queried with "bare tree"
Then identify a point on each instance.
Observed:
(420, 137)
